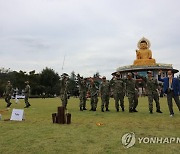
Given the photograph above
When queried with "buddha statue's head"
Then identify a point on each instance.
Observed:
(143, 45)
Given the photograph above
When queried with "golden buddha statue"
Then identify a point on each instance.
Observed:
(144, 54)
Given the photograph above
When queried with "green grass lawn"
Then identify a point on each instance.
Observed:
(37, 134)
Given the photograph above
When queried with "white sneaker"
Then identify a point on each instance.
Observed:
(171, 115)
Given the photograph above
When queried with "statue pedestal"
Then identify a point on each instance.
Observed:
(143, 62)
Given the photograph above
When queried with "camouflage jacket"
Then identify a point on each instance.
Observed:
(131, 86)
(63, 86)
(82, 87)
(151, 85)
(8, 90)
(93, 90)
(105, 88)
(118, 86)
(27, 90)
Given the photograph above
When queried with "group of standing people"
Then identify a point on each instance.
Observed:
(119, 87)
(115, 87)
(9, 92)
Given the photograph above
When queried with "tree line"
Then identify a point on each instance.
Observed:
(47, 81)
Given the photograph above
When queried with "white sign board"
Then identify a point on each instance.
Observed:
(17, 114)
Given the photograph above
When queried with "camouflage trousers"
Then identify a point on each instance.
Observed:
(155, 97)
(26, 100)
(64, 100)
(119, 97)
(104, 101)
(133, 100)
(82, 98)
(7, 99)
(94, 101)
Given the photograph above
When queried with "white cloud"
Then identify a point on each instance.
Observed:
(94, 35)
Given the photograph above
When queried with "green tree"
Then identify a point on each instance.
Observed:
(50, 80)
(72, 84)
(36, 87)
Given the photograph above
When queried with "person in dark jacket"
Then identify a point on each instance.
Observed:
(171, 87)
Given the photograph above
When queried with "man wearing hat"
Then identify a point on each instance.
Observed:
(132, 92)
(64, 90)
(118, 87)
(82, 92)
(27, 94)
(8, 93)
(105, 94)
(151, 86)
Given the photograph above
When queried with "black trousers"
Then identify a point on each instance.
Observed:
(171, 95)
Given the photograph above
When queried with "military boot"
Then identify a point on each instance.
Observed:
(159, 111)
(9, 104)
(107, 109)
(130, 111)
(134, 110)
(91, 109)
(122, 109)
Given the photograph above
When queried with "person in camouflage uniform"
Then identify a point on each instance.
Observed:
(105, 94)
(82, 93)
(27, 94)
(94, 95)
(8, 93)
(132, 92)
(152, 92)
(118, 87)
(64, 90)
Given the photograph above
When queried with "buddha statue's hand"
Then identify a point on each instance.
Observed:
(138, 55)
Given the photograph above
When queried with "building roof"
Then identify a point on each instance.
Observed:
(158, 66)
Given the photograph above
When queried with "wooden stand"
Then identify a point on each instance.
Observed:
(60, 117)
(54, 117)
(68, 118)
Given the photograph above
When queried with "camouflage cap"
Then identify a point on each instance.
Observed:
(26, 82)
(149, 72)
(129, 74)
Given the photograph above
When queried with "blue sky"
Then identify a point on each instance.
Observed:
(93, 35)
